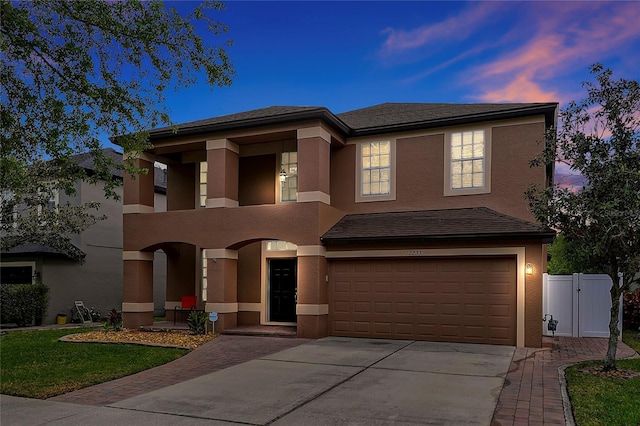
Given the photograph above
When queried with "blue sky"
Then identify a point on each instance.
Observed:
(348, 55)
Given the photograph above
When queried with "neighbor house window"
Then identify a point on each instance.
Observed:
(468, 163)
(204, 275)
(376, 175)
(289, 188)
(202, 191)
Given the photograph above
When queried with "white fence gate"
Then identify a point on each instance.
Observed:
(580, 302)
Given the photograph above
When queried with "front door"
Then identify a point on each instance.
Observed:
(282, 290)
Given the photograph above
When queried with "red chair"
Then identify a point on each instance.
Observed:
(188, 304)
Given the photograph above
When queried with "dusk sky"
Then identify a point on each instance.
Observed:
(349, 55)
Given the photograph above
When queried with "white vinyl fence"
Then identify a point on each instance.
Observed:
(580, 302)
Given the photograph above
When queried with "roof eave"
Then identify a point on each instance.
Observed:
(544, 237)
(316, 114)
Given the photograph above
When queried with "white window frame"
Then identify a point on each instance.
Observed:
(32, 264)
(392, 172)
(287, 168)
(203, 279)
(448, 161)
(202, 184)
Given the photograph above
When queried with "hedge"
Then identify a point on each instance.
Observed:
(23, 304)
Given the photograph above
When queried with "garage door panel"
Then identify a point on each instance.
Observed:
(447, 299)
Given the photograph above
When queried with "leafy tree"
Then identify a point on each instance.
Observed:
(599, 138)
(74, 71)
(568, 258)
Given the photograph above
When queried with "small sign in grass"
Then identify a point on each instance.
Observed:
(36, 365)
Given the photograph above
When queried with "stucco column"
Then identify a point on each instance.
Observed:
(535, 254)
(137, 298)
(314, 150)
(222, 287)
(139, 190)
(312, 306)
(222, 173)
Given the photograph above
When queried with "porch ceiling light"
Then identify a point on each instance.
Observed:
(283, 176)
(528, 269)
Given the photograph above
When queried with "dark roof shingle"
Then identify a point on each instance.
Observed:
(426, 225)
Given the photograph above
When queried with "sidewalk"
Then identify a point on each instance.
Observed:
(532, 394)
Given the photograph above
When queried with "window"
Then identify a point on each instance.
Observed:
(289, 188)
(204, 275)
(277, 245)
(202, 181)
(375, 181)
(467, 162)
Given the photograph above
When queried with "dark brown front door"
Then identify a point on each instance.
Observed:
(282, 290)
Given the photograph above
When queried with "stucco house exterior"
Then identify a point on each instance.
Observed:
(98, 281)
(395, 221)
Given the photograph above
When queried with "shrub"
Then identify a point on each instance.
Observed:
(631, 310)
(197, 322)
(114, 319)
(24, 304)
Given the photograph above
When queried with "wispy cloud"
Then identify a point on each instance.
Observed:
(560, 45)
(452, 29)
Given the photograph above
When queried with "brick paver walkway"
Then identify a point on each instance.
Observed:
(532, 394)
(220, 353)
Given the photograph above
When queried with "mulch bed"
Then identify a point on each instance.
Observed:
(173, 338)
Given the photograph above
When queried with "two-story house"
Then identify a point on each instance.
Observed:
(394, 221)
(98, 280)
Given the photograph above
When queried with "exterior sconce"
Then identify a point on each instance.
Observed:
(528, 269)
(283, 176)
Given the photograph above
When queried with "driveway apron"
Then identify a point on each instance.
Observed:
(345, 381)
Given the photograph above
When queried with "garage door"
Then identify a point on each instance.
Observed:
(471, 299)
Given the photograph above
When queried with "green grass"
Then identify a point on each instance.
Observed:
(603, 400)
(35, 365)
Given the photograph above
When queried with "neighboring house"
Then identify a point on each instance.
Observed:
(98, 281)
(395, 221)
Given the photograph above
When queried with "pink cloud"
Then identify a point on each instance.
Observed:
(520, 89)
(559, 46)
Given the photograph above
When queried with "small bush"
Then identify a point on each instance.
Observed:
(114, 320)
(631, 307)
(24, 304)
(197, 322)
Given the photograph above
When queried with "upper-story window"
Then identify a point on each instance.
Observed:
(289, 188)
(376, 174)
(202, 184)
(468, 162)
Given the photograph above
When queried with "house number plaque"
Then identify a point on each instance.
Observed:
(414, 253)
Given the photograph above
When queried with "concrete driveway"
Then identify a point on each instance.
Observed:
(331, 381)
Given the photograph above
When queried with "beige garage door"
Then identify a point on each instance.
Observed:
(471, 299)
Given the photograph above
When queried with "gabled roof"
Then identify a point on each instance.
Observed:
(377, 119)
(432, 225)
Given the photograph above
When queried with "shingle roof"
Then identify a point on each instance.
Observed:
(30, 249)
(429, 225)
(381, 118)
(85, 161)
(390, 115)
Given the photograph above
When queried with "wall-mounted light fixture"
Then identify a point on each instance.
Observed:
(528, 269)
(283, 176)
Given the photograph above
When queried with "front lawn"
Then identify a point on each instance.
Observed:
(607, 399)
(35, 365)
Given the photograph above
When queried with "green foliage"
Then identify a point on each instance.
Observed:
(24, 304)
(599, 138)
(36, 365)
(114, 320)
(73, 71)
(197, 322)
(631, 310)
(604, 400)
(568, 258)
